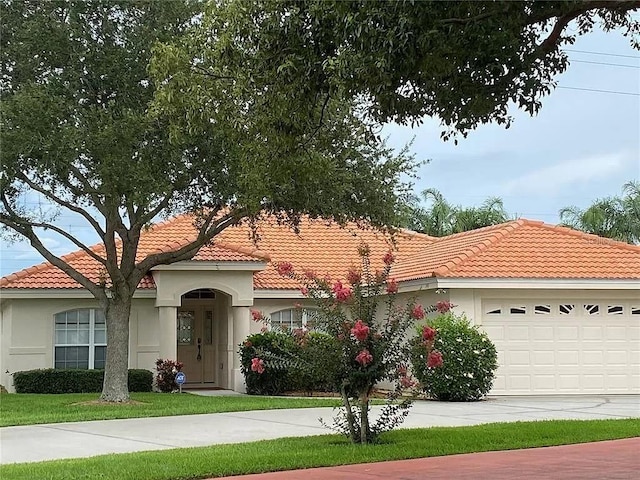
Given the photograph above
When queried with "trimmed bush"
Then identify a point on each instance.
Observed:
(470, 360)
(52, 380)
(297, 361)
(320, 355)
(275, 380)
(140, 380)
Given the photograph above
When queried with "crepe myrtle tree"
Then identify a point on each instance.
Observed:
(84, 133)
(372, 349)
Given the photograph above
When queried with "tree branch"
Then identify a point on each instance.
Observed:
(207, 231)
(50, 195)
(27, 232)
(550, 43)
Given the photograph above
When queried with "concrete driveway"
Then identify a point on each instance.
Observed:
(85, 439)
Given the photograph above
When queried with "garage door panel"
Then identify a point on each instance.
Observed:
(544, 357)
(515, 333)
(568, 382)
(593, 382)
(617, 382)
(590, 348)
(568, 357)
(617, 333)
(545, 382)
(518, 358)
(542, 334)
(495, 332)
(617, 358)
(566, 333)
(592, 333)
(593, 358)
(519, 382)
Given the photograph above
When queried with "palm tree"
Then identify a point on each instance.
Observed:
(612, 217)
(441, 218)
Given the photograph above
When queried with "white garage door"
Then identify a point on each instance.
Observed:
(565, 348)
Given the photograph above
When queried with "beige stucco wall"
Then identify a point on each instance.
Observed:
(27, 327)
(171, 284)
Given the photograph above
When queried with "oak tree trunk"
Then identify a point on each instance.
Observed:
(115, 387)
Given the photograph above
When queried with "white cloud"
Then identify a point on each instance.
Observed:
(564, 175)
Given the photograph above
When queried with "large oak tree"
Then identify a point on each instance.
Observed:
(80, 130)
(246, 106)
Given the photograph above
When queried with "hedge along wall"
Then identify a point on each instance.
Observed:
(53, 380)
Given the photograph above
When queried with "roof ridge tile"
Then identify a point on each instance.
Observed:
(503, 231)
(590, 237)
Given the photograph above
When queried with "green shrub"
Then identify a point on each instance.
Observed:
(166, 370)
(140, 380)
(320, 359)
(469, 357)
(52, 380)
(274, 380)
(297, 361)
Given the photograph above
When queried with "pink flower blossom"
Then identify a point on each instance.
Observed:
(257, 365)
(360, 330)
(304, 291)
(388, 258)
(341, 292)
(434, 359)
(256, 315)
(310, 274)
(392, 286)
(443, 306)
(364, 358)
(284, 268)
(417, 312)
(353, 276)
(428, 333)
(407, 382)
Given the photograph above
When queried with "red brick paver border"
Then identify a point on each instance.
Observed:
(610, 460)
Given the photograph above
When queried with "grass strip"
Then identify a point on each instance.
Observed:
(325, 450)
(32, 409)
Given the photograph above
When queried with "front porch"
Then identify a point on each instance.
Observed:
(203, 315)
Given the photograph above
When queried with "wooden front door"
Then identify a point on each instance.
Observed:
(196, 344)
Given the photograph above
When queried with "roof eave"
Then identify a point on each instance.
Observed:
(540, 283)
(194, 265)
(6, 293)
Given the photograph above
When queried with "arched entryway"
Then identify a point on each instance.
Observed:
(201, 333)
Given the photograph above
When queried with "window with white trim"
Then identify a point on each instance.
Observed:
(80, 339)
(292, 318)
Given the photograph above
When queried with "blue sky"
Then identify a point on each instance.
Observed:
(583, 145)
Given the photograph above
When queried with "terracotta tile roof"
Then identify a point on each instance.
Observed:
(319, 246)
(326, 249)
(523, 249)
(517, 249)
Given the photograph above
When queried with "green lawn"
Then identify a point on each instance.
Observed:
(31, 409)
(326, 450)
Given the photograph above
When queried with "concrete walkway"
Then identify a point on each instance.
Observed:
(85, 439)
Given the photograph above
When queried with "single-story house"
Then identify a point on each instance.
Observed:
(562, 307)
